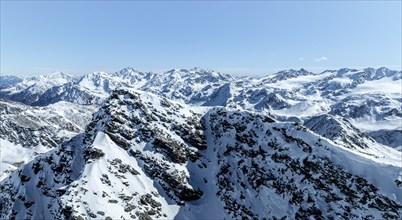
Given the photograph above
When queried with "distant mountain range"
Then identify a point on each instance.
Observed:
(370, 98)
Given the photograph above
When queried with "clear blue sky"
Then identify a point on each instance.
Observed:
(229, 36)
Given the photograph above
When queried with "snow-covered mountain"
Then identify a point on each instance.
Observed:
(6, 81)
(30, 89)
(162, 135)
(190, 86)
(199, 144)
(27, 131)
(370, 98)
(344, 133)
(144, 156)
(193, 86)
(94, 88)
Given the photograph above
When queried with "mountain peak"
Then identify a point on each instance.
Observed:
(128, 70)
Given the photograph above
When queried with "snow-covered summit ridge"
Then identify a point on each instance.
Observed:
(6, 80)
(42, 82)
(31, 88)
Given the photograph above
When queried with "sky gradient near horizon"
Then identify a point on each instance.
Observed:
(235, 37)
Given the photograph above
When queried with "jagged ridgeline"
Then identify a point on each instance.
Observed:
(145, 156)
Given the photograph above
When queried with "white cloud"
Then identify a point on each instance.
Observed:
(320, 59)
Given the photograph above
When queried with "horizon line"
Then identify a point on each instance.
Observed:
(237, 71)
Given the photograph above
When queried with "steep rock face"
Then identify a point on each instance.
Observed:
(144, 156)
(392, 138)
(221, 96)
(376, 106)
(340, 131)
(275, 170)
(272, 101)
(130, 161)
(344, 133)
